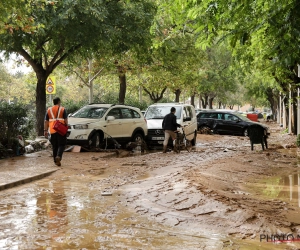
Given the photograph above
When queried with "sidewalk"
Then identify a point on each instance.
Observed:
(23, 169)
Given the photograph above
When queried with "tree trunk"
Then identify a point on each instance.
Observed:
(154, 96)
(210, 102)
(122, 81)
(40, 102)
(200, 102)
(294, 127)
(177, 95)
(204, 101)
(193, 100)
(273, 100)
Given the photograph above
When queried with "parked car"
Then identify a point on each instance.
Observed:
(224, 122)
(155, 114)
(95, 124)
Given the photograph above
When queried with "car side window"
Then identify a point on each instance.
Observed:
(126, 113)
(230, 117)
(189, 111)
(114, 112)
(234, 118)
(204, 115)
(135, 114)
(213, 115)
(185, 112)
(220, 116)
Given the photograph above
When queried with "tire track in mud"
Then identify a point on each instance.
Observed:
(171, 196)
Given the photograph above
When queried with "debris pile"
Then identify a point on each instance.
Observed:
(40, 143)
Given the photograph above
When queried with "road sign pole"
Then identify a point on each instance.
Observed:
(50, 100)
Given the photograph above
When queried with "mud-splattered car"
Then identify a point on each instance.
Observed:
(97, 124)
(223, 122)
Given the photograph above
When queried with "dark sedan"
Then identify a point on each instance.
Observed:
(223, 122)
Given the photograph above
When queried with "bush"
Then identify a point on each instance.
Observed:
(14, 121)
(298, 141)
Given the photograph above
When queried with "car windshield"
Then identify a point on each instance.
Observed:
(159, 112)
(244, 118)
(90, 112)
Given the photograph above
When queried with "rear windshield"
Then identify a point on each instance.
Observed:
(90, 112)
(160, 112)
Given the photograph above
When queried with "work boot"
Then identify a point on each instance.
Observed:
(165, 149)
(57, 161)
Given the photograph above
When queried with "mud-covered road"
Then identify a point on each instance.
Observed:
(221, 195)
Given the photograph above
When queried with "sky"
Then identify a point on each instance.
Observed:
(12, 66)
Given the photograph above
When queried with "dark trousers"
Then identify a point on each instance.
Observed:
(58, 143)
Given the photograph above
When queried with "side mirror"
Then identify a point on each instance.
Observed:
(69, 115)
(187, 119)
(110, 118)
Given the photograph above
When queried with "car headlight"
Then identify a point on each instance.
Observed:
(81, 126)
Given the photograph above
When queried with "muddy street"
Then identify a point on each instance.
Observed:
(221, 195)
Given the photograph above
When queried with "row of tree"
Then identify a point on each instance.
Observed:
(223, 51)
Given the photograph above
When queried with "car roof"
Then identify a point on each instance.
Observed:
(219, 111)
(171, 104)
(106, 105)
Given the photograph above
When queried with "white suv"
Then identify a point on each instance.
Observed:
(185, 114)
(95, 124)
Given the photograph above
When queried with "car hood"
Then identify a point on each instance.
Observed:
(80, 121)
(156, 123)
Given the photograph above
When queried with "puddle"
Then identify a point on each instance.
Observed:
(72, 214)
(286, 188)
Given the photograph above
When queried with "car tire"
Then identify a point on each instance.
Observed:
(96, 140)
(245, 132)
(205, 130)
(137, 137)
(193, 142)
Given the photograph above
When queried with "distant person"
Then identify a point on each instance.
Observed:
(169, 125)
(58, 142)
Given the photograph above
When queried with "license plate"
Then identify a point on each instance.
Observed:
(158, 138)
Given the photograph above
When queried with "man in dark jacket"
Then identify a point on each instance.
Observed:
(169, 125)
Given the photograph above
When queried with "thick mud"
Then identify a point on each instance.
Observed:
(221, 195)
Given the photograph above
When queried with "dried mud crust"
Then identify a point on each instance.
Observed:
(206, 190)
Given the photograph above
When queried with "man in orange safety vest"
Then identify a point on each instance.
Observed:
(56, 112)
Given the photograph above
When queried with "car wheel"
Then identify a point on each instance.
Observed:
(245, 132)
(205, 130)
(96, 140)
(193, 142)
(138, 137)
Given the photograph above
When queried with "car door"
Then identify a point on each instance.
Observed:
(232, 124)
(114, 128)
(219, 125)
(188, 122)
(127, 126)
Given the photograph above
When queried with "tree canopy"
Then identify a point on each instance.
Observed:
(61, 29)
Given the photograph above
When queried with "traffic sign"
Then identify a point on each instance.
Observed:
(51, 85)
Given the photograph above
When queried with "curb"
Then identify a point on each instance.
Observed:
(26, 180)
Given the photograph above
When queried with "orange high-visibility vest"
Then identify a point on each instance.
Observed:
(52, 113)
